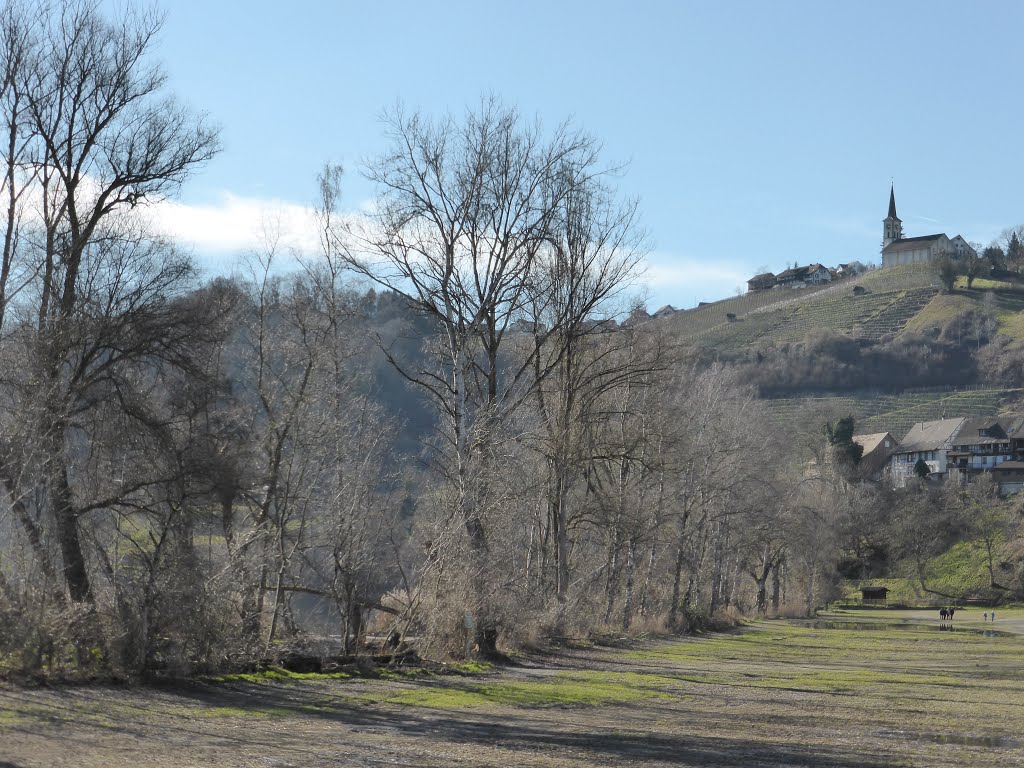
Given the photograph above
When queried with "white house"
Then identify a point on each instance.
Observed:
(928, 441)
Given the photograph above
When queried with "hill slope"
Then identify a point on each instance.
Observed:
(889, 323)
(893, 301)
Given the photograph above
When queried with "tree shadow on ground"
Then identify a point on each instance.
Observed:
(469, 727)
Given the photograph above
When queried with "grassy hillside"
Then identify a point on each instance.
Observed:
(960, 572)
(895, 300)
(889, 304)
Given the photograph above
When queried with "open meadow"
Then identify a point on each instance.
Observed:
(857, 688)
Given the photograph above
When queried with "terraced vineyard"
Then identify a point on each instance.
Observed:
(895, 413)
(694, 322)
(871, 315)
(893, 298)
(893, 318)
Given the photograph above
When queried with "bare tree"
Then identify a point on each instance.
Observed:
(595, 254)
(465, 210)
(100, 141)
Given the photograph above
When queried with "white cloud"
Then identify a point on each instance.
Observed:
(235, 223)
(681, 280)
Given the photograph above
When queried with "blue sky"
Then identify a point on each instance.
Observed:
(757, 133)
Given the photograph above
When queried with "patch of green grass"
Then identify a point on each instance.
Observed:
(939, 311)
(564, 689)
(277, 674)
(256, 711)
(961, 569)
(1012, 324)
(11, 717)
(767, 645)
(983, 283)
(209, 540)
(471, 667)
(223, 712)
(893, 413)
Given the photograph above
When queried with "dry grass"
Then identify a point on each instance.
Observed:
(869, 689)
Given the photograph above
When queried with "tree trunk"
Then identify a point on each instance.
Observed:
(75, 572)
(627, 603)
(613, 573)
(677, 576)
(560, 522)
(648, 578)
(776, 586)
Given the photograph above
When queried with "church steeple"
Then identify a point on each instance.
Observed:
(892, 227)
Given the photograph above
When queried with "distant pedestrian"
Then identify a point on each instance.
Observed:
(993, 617)
(985, 614)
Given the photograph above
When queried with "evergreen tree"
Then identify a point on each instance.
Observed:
(840, 437)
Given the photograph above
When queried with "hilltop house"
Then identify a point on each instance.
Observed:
(798, 277)
(794, 277)
(897, 249)
(761, 282)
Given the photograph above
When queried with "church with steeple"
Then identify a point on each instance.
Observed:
(897, 249)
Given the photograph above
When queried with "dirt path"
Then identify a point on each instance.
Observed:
(777, 694)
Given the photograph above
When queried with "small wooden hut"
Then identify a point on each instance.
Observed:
(874, 595)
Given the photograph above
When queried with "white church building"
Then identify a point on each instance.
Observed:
(897, 249)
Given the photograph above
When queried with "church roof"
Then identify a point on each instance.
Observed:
(911, 243)
(892, 204)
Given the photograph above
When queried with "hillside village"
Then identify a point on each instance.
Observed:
(867, 306)
(955, 449)
(897, 250)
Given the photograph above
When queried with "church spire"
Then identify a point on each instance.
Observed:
(892, 227)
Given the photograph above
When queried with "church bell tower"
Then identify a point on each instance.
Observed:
(892, 227)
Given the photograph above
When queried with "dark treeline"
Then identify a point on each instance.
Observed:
(966, 350)
(428, 432)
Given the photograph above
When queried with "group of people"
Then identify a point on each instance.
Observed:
(947, 614)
